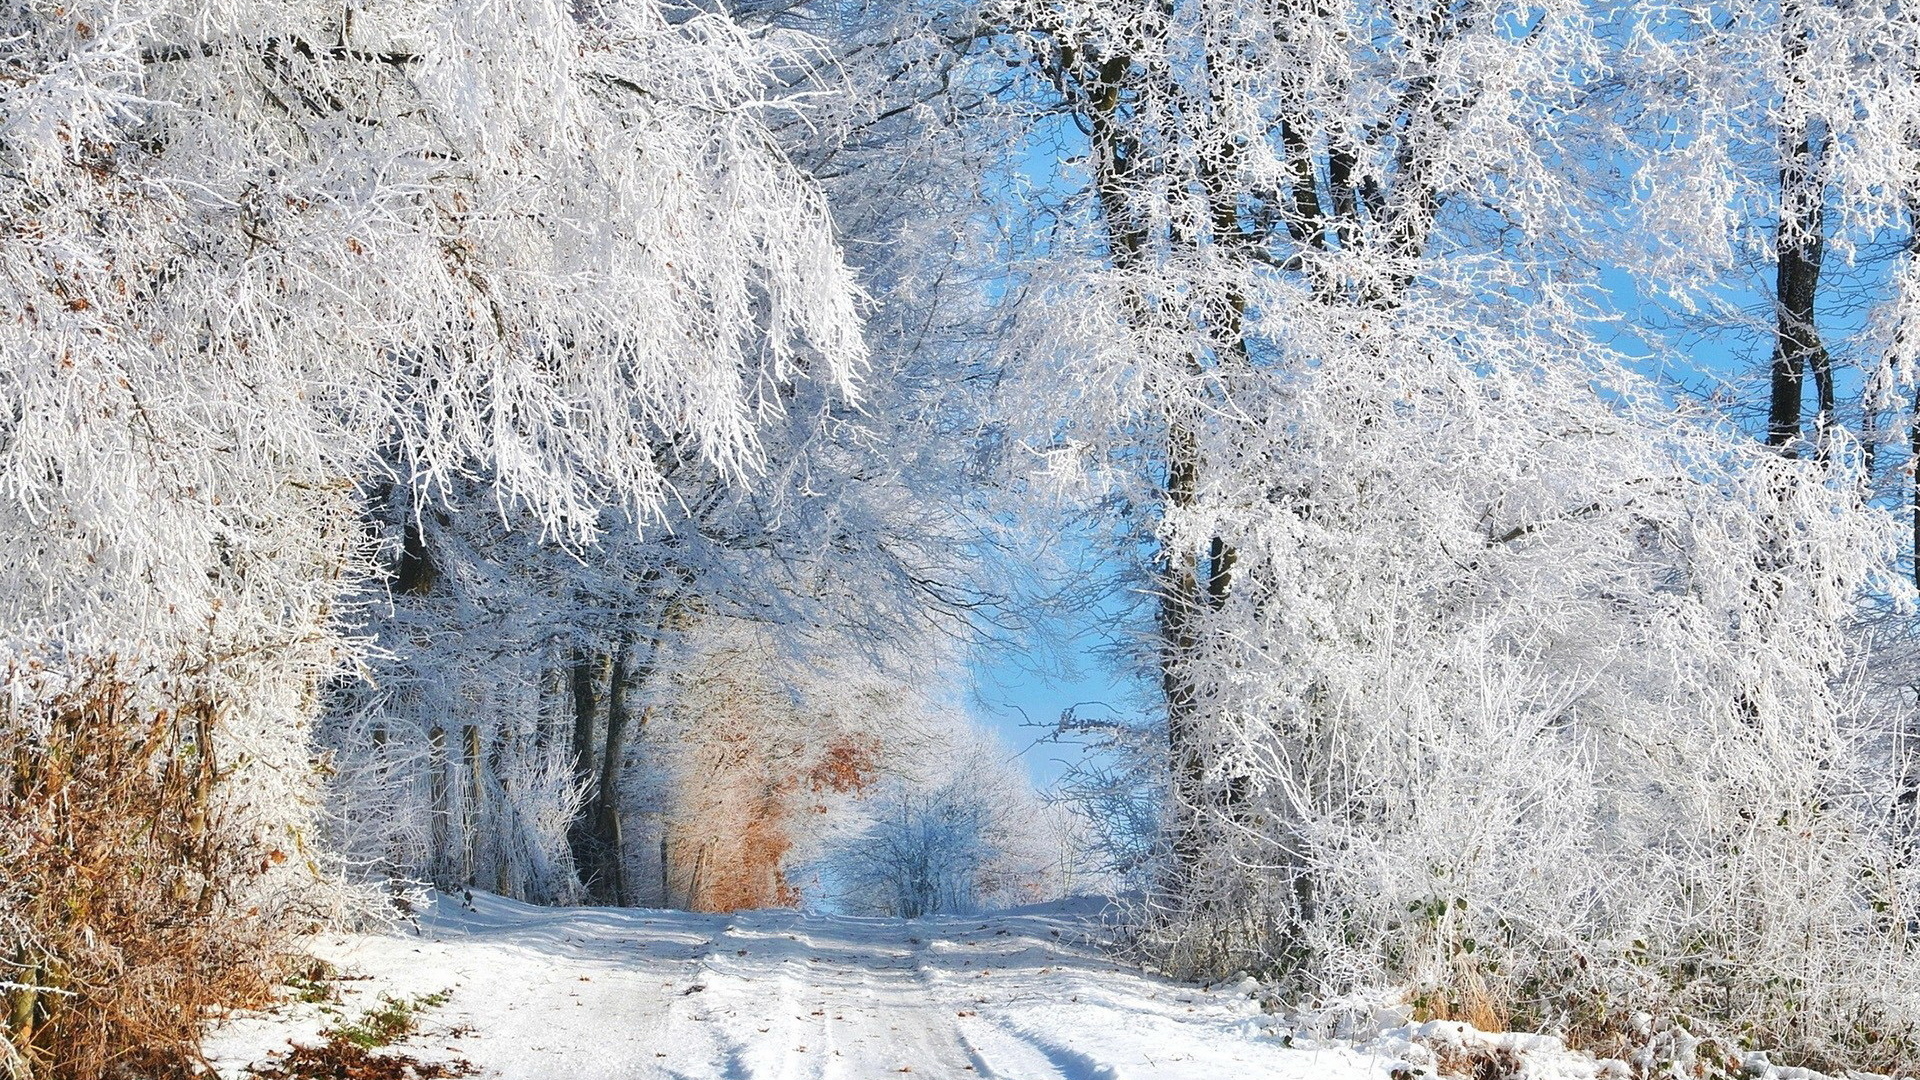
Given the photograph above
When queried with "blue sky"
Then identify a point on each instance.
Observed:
(1017, 696)
(1018, 688)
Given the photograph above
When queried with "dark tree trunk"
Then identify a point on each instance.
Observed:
(440, 817)
(582, 676)
(476, 798)
(597, 837)
(1797, 346)
(609, 885)
(1799, 246)
(416, 572)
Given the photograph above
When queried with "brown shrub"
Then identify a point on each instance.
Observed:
(121, 886)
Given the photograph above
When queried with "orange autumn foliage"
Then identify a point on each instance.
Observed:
(726, 846)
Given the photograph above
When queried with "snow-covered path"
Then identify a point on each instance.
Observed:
(584, 994)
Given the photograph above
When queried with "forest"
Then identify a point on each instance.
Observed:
(579, 453)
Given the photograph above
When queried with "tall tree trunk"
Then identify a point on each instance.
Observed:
(604, 873)
(610, 880)
(581, 677)
(1117, 165)
(666, 887)
(475, 800)
(1799, 246)
(440, 816)
(497, 758)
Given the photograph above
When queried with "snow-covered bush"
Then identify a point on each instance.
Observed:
(125, 906)
(1540, 700)
(1119, 789)
(956, 828)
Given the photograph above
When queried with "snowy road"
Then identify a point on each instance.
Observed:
(584, 994)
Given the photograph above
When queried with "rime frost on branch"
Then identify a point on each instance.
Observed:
(259, 261)
(251, 248)
(1488, 671)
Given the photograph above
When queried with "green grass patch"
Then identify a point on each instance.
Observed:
(310, 979)
(395, 1019)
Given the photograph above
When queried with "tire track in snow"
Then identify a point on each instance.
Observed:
(599, 994)
(852, 989)
(994, 1051)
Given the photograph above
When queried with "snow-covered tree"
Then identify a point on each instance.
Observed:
(503, 354)
(861, 527)
(261, 257)
(1437, 573)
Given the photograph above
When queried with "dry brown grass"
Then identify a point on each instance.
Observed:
(1468, 997)
(338, 1060)
(120, 884)
(1477, 1062)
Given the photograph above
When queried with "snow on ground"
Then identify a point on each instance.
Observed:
(587, 993)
